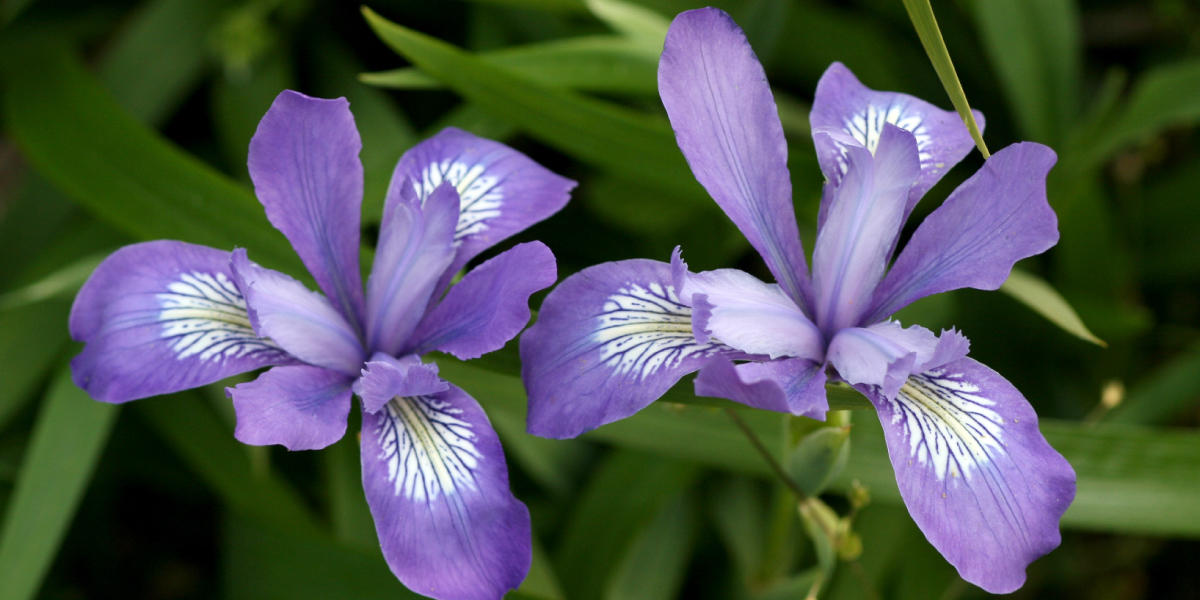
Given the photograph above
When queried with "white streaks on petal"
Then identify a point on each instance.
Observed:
(429, 451)
(867, 125)
(203, 315)
(950, 427)
(480, 196)
(643, 329)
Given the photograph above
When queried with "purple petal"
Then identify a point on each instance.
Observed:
(976, 474)
(415, 249)
(726, 124)
(299, 407)
(846, 113)
(385, 377)
(995, 218)
(159, 317)
(502, 191)
(608, 341)
(489, 306)
(306, 172)
(301, 321)
(742, 312)
(437, 485)
(864, 219)
(885, 354)
(793, 385)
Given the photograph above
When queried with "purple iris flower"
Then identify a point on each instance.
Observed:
(977, 476)
(164, 316)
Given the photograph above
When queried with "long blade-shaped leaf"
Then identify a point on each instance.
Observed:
(77, 136)
(69, 436)
(606, 135)
(1034, 292)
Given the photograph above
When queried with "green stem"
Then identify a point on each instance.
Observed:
(766, 454)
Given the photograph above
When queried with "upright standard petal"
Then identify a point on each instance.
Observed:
(792, 385)
(306, 172)
(437, 485)
(977, 476)
(608, 341)
(727, 126)
(299, 407)
(734, 308)
(489, 306)
(160, 317)
(845, 113)
(300, 320)
(865, 217)
(997, 217)
(501, 190)
(415, 249)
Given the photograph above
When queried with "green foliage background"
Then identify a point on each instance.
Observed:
(127, 121)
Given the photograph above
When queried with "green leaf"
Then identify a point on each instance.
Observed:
(623, 495)
(82, 141)
(348, 511)
(31, 336)
(635, 145)
(653, 568)
(1034, 292)
(1168, 392)
(819, 457)
(67, 441)
(66, 280)
(1165, 96)
(1035, 48)
(160, 56)
(736, 507)
(541, 583)
(271, 561)
(207, 446)
(921, 14)
(605, 64)
(639, 23)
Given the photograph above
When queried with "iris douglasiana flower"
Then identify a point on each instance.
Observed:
(164, 316)
(977, 476)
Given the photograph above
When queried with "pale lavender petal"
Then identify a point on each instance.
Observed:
(385, 377)
(885, 354)
(727, 126)
(299, 407)
(864, 219)
(501, 190)
(299, 320)
(997, 217)
(415, 249)
(846, 113)
(489, 306)
(608, 341)
(736, 309)
(977, 476)
(792, 385)
(436, 482)
(304, 163)
(159, 317)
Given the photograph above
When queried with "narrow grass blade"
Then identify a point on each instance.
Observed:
(68, 439)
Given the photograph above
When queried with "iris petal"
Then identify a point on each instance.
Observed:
(160, 317)
(436, 482)
(977, 476)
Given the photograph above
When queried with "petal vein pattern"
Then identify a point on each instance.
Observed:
(951, 428)
(481, 196)
(429, 451)
(204, 315)
(645, 328)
